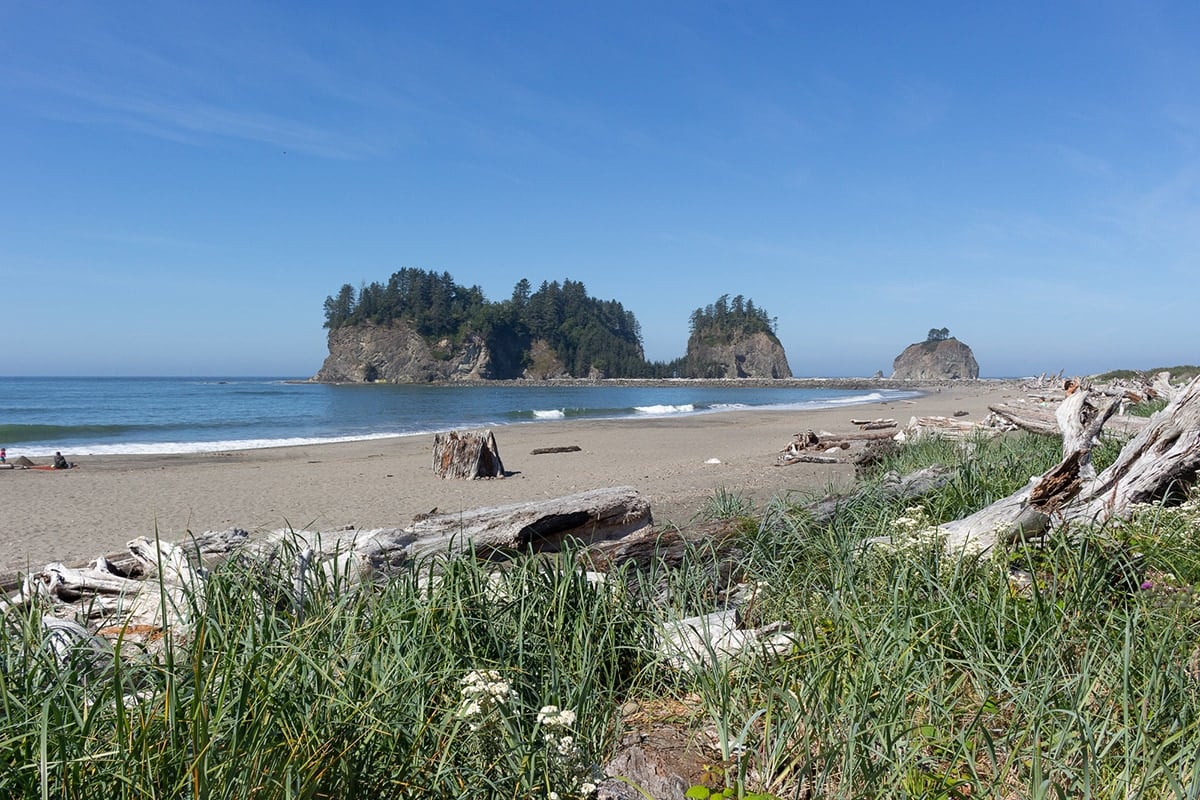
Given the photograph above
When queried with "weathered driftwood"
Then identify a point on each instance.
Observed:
(1160, 387)
(165, 597)
(824, 442)
(951, 428)
(538, 526)
(159, 588)
(800, 458)
(540, 451)
(467, 455)
(1042, 420)
(1163, 458)
(671, 547)
(698, 643)
(658, 758)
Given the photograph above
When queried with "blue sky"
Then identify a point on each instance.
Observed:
(182, 185)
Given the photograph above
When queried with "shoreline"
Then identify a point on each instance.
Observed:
(76, 515)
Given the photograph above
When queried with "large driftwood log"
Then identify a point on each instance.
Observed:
(124, 606)
(1163, 458)
(1043, 422)
(467, 455)
(539, 525)
(123, 599)
(951, 428)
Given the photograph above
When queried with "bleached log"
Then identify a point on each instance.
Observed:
(698, 643)
(1163, 457)
(950, 428)
(1043, 422)
(800, 458)
(75, 649)
(1033, 419)
(539, 525)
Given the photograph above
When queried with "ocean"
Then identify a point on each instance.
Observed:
(99, 416)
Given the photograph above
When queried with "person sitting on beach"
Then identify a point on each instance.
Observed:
(60, 462)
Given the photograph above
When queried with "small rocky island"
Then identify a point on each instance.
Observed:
(940, 357)
(422, 327)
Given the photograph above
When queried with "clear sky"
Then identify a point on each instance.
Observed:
(183, 184)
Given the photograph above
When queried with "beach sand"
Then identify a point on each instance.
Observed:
(73, 516)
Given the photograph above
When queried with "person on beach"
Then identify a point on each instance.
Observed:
(3, 455)
(59, 461)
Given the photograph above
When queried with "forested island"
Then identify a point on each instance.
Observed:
(423, 326)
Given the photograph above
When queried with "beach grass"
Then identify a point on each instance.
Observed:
(910, 674)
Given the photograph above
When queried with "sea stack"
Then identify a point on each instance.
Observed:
(940, 357)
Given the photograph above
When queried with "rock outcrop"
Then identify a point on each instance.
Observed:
(398, 354)
(936, 360)
(544, 363)
(756, 355)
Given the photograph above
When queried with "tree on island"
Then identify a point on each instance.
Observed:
(938, 335)
(727, 318)
(585, 333)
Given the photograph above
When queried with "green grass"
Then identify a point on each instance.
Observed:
(913, 675)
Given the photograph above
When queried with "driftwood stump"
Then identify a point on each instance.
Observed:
(466, 455)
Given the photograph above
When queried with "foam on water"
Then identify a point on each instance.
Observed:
(661, 410)
(152, 416)
(176, 448)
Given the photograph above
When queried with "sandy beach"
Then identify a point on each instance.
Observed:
(75, 515)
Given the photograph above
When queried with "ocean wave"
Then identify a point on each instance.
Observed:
(183, 448)
(549, 413)
(18, 434)
(661, 410)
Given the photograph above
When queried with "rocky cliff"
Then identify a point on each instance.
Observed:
(933, 360)
(397, 354)
(757, 355)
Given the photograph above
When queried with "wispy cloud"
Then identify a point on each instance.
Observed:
(181, 118)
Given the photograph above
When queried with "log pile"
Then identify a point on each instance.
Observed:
(953, 428)
(814, 447)
(1163, 458)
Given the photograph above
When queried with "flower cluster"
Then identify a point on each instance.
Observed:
(914, 528)
(561, 744)
(556, 721)
(482, 692)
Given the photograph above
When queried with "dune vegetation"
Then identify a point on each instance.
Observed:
(1061, 669)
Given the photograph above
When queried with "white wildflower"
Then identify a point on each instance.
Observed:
(482, 691)
(554, 717)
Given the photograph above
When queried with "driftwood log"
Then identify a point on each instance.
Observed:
(492, 532)
(162, 591)
(125, 596)
(1163, 458)
(1043, 421)
(467, 455)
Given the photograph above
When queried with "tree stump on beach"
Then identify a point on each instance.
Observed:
(466, 455)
